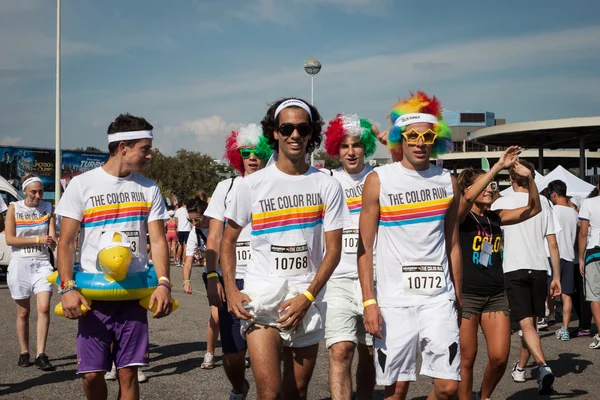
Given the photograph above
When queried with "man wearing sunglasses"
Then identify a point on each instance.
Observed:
(411, 206)
(295, 212)
(247, 152)
(350, 139)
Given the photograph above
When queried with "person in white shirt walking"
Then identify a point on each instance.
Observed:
(183, 232)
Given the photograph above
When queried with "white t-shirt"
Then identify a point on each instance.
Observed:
(566, 238)
(193, 244)
(222, 196)
(412, 261)
(590, 211)
(32, 222)
(352, 186)
(289, 215)
(183, 225)
(100, 201)
(524, 243)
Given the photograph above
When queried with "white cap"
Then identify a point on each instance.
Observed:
(171, 213)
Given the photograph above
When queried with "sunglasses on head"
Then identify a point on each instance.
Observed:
(195, 220)
(303, 128)
(412, 136)
(246, 153)
(492, 185)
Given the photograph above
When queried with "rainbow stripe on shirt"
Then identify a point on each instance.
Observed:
(133, 211)
(287, 219)
(32, 223)
(354, 204)
(415, 213)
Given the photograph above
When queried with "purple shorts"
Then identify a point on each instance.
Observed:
(122, 323)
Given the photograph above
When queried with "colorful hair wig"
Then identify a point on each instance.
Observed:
(419, 102)
(349, 125)
(249, 135)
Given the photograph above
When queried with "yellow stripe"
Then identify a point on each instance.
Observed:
(287, 211)
(417, 205)
(120, 294)
(118, 206)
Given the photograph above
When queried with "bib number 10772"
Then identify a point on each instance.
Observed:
(423, 280)
(289, 260)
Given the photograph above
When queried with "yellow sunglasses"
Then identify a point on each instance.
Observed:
(412, 136)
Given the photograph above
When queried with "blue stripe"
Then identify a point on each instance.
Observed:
(33, 226)
(412, 221)
(286, 228)
(584, 219)
(355, 211)
(592, 257)
(136, 280)
(114, 221)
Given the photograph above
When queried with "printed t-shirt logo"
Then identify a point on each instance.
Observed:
(116, 213)
(414, 213)
(287, 219)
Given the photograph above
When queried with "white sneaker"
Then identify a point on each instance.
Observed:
(542, 324)
(518, 374)
(595, 342)
(112, 374)
(208, 362)
(141, 376)
(545, 380)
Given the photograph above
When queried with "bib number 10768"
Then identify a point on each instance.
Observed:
(289, 260)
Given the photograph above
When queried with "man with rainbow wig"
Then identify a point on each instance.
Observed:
(411, 206)
(247, 151)
(350, 139)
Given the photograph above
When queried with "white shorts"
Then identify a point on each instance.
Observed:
(343, 310)
(28, 276)
(266, 300)
(429, 329)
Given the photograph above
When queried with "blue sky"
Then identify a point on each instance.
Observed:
(195, 69)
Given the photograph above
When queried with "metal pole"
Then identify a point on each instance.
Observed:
(58, 159)
(582, 170)
(312, 103)
(541, 158)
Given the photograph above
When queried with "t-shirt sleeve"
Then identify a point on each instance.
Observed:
(337, 215)
(71, 204)
(216, 205)
(158, 211)
(552, 224)
(192, 244)
(3, 206)
(240, 208)
(584, 211)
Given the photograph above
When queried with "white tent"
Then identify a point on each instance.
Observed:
(575, 186)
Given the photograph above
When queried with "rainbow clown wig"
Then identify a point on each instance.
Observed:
(419, 108)
(349, 125)
(251, 136)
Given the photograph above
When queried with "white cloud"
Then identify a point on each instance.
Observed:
(10, 140)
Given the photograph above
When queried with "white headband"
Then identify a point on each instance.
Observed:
(293, 103)
(31, 180)
(133, 135)
(415, 118)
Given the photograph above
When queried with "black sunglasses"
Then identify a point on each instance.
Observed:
(303, 128)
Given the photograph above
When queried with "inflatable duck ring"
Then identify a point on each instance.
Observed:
(114, 284)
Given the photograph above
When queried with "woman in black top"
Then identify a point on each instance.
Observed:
(484, 300)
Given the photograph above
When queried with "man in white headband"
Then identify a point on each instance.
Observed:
(295, 212)
(114, 197)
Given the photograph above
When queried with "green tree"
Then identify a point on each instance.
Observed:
(90, 149)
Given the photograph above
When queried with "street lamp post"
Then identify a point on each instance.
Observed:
(58, 159)
(312, 67)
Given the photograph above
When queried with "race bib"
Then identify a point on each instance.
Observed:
(350, 241)
(289, 261)
(423, 280)
(486, 253)
(242, 253)
(32, 251)
(134, 239)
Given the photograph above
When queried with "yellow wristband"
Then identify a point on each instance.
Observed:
(212, 275)
(164, 278)
(37, 240)
(309, 296)
(369, 302)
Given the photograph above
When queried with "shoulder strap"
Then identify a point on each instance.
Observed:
(200, 234)
(331, 172)
(229, 190)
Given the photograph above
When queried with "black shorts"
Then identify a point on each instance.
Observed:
(567, 277)
(526, 291)
(476, 304)
(229, 325)
(182, 237)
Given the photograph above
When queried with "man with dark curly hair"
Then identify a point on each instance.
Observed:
(295, 211)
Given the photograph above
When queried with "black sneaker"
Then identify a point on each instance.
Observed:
(43, 363)
(24, 360)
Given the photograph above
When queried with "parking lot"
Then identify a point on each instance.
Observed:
(178, 345)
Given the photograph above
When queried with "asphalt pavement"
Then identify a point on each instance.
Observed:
(178, 344)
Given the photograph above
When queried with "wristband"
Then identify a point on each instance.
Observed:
(164, 278)
(37, 240)
(168, 286)
(66, 290)
(369, 302)
(186, 281)
(309, 296)
(212, 275)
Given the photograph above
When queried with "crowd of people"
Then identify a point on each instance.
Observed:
(390, 262)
